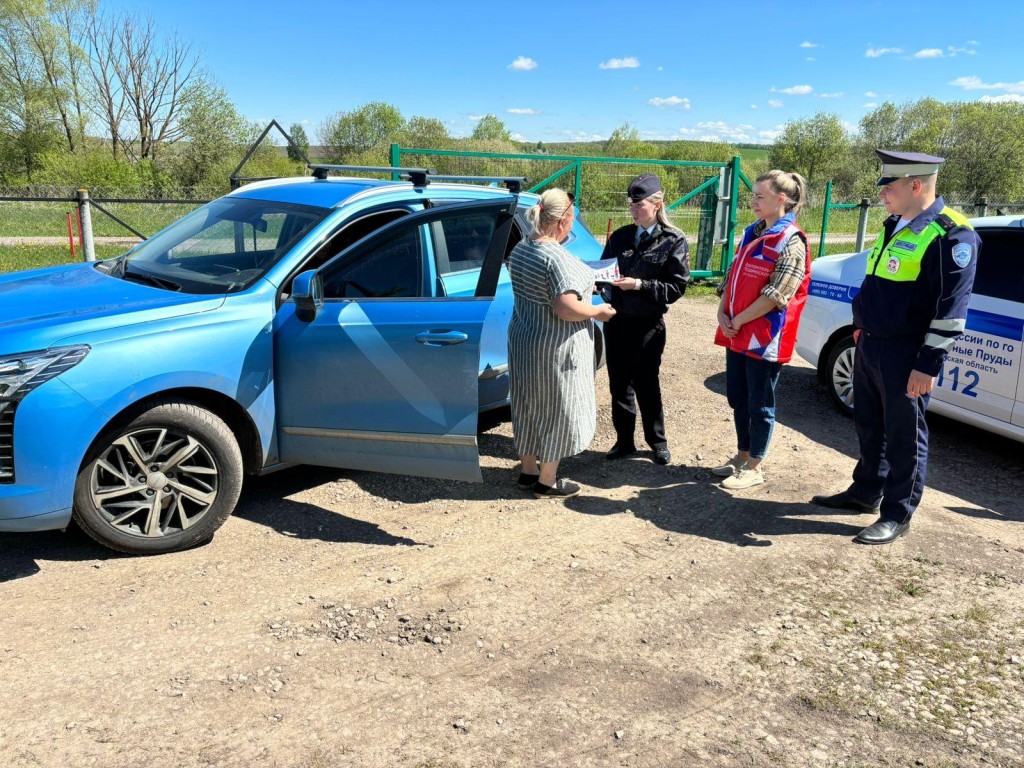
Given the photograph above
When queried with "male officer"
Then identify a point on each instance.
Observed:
(654, 264)
(911, 308)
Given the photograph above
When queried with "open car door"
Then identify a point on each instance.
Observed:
(372, 370)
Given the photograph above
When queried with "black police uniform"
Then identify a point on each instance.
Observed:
(635, 337)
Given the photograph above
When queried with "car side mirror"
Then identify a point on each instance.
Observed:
(308, 295)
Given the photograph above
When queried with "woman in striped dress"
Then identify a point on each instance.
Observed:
(551, 348)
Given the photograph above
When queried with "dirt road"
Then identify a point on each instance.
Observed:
(350, 619)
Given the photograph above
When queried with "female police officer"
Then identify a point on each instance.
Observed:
(654, 264)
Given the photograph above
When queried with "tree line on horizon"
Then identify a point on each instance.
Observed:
(107, 100)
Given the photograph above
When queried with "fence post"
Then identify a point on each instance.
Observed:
(982, 206)
(577, 185)
(88, 247)
(824, 217)
(396, 160)
(733, 191)
(862, 223)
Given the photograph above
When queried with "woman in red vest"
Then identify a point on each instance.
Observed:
(762, 298)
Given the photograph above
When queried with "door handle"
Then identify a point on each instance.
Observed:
(441, 338)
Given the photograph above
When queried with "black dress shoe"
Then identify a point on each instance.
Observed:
(845, 500)
(620, 451)
(882, 532)
(662, 456)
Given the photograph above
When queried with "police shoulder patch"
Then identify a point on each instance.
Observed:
(962, 254)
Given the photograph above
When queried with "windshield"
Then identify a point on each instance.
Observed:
(223, 247)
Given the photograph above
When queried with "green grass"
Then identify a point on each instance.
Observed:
(19, 257)
(50, 219)
(750, 155)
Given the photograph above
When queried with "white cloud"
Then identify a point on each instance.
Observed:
(718, 130)
(516, 136)
(806, 44)
(810, 58)
(774, 103)
(793, 90)
(973, 42)
(1003, 98)
(476, 118)
(630, 62)
(753, 106)
(929, 53)
(770, 135)
(583, 136)
(974, 83)
(522, 111)
(871, 94)
(523, 64)
(874, 53)
(953, 50)
(833, 95)
(670, 101)
(661, 69)
(870, 105)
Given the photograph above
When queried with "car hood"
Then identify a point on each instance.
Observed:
(40, 307)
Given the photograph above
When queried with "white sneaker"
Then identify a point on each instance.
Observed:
(731, 467)
(745, 478)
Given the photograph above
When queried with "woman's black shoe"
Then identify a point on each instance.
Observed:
(526, 482)
(562, 489)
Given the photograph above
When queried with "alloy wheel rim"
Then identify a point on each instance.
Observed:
(154, 482)
(842, 377)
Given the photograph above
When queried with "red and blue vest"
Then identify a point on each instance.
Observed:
(771, 337)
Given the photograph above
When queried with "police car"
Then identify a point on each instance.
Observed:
(980, 384)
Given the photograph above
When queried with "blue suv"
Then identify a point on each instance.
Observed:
(343, 322)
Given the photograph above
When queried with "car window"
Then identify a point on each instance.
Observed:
(1000, 272)
(386, 267)
(223, 246)
(460, 242)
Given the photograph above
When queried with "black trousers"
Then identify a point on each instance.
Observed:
(633, 349)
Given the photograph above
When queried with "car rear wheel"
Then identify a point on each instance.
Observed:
(165, 482)
(839, 374)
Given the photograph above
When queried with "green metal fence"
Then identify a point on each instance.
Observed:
(699, 195)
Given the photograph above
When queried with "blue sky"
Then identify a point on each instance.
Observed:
(560, 71)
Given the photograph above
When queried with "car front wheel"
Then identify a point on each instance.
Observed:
(839, 374)
(165, 482)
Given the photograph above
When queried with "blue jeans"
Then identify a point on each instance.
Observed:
(750, 387)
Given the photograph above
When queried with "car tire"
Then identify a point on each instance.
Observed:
(164, 482)
(839, 374)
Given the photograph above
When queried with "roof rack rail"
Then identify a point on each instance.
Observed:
(418, 176)
(514, 183)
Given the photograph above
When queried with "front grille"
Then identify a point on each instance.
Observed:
(7, 442)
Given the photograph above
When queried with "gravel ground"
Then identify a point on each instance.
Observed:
(351, 619)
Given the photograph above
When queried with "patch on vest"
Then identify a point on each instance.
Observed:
(962, 254)
(893, 265)
(903, 245)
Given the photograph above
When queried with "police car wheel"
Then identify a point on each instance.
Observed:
(839, 374)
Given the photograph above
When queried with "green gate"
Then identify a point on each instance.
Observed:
(702, 196)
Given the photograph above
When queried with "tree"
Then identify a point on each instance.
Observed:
(985, 155)
(366, 129)
(214, 136)
(425, 133)
(301, 142)
(625, 141)
(490, 128)
(815, 147)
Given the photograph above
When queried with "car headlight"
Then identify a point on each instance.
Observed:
(19, 375)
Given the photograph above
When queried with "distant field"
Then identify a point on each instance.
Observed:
(750, 155)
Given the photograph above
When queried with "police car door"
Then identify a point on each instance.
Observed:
(982, 371)
(383, 376)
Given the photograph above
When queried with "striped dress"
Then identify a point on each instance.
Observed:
(550, 361)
